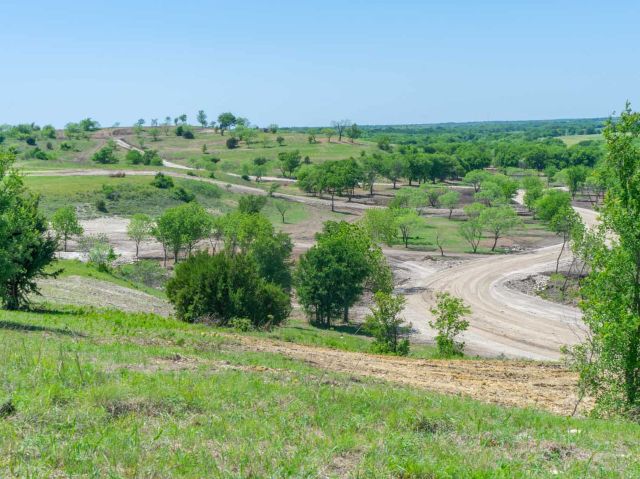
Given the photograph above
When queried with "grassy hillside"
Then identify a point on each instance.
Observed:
(110, 394)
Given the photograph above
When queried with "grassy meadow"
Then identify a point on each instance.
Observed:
(108, 394)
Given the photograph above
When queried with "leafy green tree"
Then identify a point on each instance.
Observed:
(354, 132)
(133, 157)
(371, 167)
(221, 287)
(48, 132)
(139, 229)
(280, 140)
(328, 132)
(26, 247)
(565, 223)
(498, 222)
(381, 225)
(106, 155)
(574, 177)
(551, 203)
(225, 121)
(432, 194)
(202, 118)
(609, 360)
(393, 168)
(471, 230)
(289, 161)
(449, 323)
(282, 207)
(450, 200)
(407, 221)
(332, 275)
(251, 204)
(181, 227)
(385, 324)
(533, 190)
(65, 223)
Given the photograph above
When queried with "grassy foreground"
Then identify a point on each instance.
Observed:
(106, 394)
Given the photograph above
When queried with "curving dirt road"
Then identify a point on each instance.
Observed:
(503, 321)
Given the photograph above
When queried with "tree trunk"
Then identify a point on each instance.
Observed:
(332, 202)
(564, 242)
(65, 243)
(495, 243)
(137, 249)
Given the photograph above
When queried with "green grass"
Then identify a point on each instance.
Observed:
(343, 337)
(136, 195)
(424, 236)
(239, 160)
(107, 394)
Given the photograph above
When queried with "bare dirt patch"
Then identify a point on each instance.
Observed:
(84, 291)
(540, 385)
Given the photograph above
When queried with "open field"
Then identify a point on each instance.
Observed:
(571, 140)
(131, 395)
(239, 160)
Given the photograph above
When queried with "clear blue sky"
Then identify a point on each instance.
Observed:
(307, 63)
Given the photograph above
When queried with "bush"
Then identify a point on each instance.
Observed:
(385, 325)
(66, 146)
(105, 156)
(221, 287)
(183, 195)
(246, 177)
(179, 130)
(147, 272)
(30, 141)
(188, 134)
(162, 181)
(133, 157)
(241, 324)
(101, 205)
(232, 143)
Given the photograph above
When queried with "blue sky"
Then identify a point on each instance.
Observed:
(307, 63)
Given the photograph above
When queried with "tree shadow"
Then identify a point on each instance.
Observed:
(353, 329)
(15, 326)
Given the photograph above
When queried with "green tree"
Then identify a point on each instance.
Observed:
(449, 323)
(280, 140)
(533, 190)
(221, 287)
(385, 324)
(106, 155)
(26, 247)
(202, 118)
(475, 178)
(332, 275)
(225, 121)
(354, 132)
(450, 200)
(550, 203)
(65, 223)
(393, 168)
(407, 222)
(471, 229)
(181, 227)
(133, 157)
(574, 177)
(381, 225)
(139, 229)
(282, 207)
(328, 132)
(609, 361)
(251, 203)
(289, 161)
(565, 223)
(498, 222)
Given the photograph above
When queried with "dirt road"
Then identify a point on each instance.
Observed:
(503, 321)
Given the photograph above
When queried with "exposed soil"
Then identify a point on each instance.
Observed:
(83, 291)
(543, 385)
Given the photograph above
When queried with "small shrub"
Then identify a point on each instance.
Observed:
(183, 195)
(179, 130)
(162, 181)
(232, 143)
(448, 313)
(30, 141)
(101, 205)
(241, 324)
(49, 145)
(385, 324)
(188, 134)
(246, 177)
(147, 272)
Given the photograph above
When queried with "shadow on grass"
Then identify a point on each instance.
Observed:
(15, 326)
(354, 329)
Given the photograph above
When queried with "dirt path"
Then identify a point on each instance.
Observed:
(503, 321)
(510, 383)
